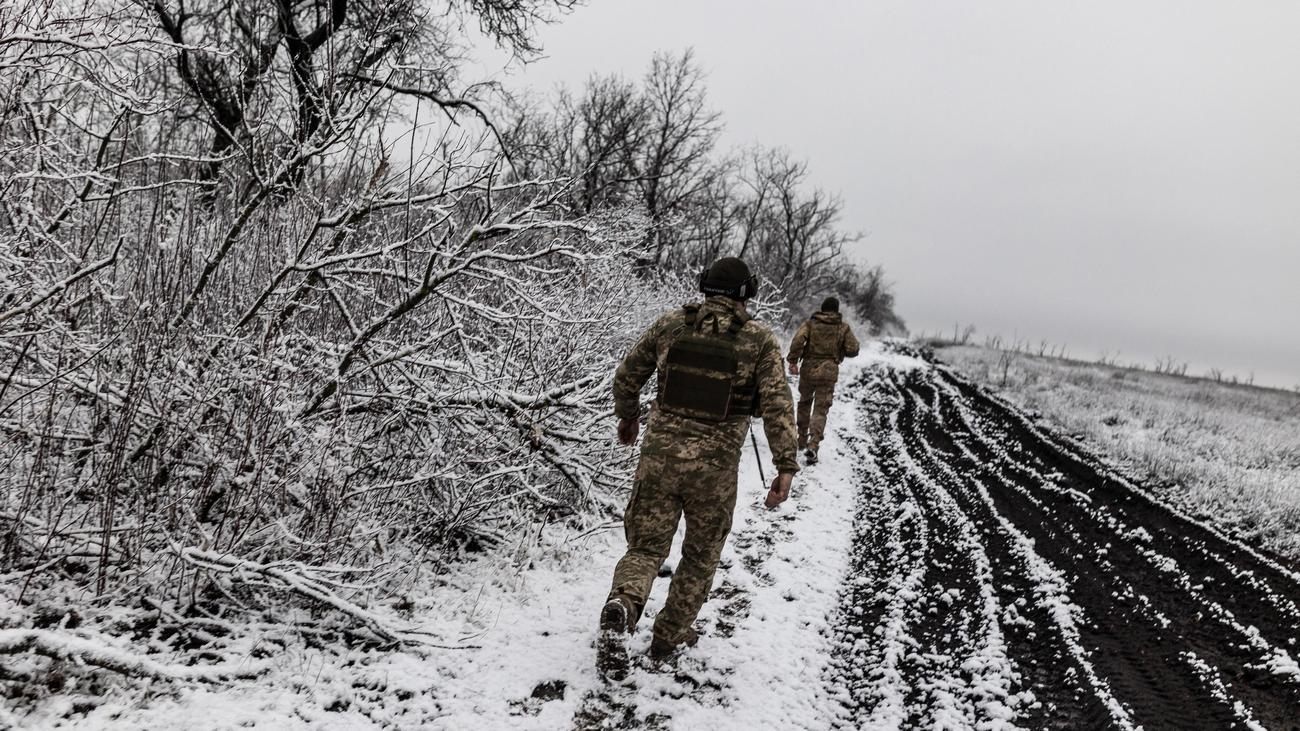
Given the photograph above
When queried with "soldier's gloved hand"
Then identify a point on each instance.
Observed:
(794, 368)
(627, 431)
(780, 490)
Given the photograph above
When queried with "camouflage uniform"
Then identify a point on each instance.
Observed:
(822, 342)
(689, 467)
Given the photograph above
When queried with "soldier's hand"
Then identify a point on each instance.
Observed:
(627, 431)
(780, 490)
(794, 368)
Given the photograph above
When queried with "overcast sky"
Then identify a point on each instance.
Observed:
(1111, 175)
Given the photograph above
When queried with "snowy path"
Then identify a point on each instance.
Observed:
(948, 565)
(767, 634)
(999, 577)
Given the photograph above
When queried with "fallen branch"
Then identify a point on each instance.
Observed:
(306, 586)
(86, 651)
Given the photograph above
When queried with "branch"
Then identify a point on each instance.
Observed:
(442, 102)
(82, 650)
(306, 586)
(63, 285)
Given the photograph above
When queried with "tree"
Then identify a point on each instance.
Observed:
(790, 233)
(871, 299)
(334, 55)
(306, 355)
(655, 146)
(674, 165)
(593, 137)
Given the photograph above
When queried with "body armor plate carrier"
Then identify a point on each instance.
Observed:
(698, 380)
(823, 341)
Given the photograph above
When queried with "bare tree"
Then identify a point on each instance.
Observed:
(288, 376)
(790, 231)
(674, 166)
(654, 146)
(333, 54)
(870, 296)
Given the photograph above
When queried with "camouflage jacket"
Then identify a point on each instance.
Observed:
(821, 343)
(716, 443)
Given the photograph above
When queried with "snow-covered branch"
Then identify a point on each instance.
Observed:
(98, 653)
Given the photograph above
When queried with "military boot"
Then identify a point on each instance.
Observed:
(661, 649)
(618, 615)
(810, 453)
(617, 620)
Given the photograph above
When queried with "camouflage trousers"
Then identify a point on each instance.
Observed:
(666, 488)
(815, 397)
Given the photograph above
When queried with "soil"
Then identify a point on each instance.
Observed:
(1006, 577)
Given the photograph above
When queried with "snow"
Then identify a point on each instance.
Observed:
(1225, 454)
(769, 670)
(1281, 663)
(1050, 590)
(886, 353)
(512, 632)
(523, 619)
(98, 651)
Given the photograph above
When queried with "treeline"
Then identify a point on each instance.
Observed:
(285, 310)
(653, 145)
(276, 318)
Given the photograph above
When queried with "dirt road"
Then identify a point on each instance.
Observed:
(1005, 576)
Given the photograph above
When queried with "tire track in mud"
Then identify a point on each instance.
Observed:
(1166, 569)
(1004, 577)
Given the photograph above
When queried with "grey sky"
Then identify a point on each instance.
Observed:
(1111, 175)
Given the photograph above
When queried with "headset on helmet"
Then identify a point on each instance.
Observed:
(744, 291)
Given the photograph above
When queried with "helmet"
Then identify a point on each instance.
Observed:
(729, 276)
(831, 304)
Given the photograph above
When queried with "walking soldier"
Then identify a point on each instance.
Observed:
(821, 344)
(716, 367)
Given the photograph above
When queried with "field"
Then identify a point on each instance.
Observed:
(1225, 453)
(954, 561)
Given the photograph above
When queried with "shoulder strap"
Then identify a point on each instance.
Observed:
(738, 323)
(692, 314)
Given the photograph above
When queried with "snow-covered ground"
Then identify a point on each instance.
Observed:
(1226, 453)
(950, 563)
(518, 625)
(763, 648)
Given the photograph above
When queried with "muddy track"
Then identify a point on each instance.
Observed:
(1005, 577)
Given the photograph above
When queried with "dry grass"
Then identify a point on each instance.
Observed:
(1225, 453)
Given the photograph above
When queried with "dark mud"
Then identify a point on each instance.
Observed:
(1005, 577)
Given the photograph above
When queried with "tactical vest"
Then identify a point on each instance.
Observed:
(823, 341)
(698, 380)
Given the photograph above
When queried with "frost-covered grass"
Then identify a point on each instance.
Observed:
(1229, 454)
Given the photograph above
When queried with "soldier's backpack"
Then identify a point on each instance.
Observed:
(698, 380)
(825, 341)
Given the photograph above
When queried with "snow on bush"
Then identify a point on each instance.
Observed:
(273, 368)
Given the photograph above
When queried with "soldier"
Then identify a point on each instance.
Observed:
(716, 367)
(821, 343)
